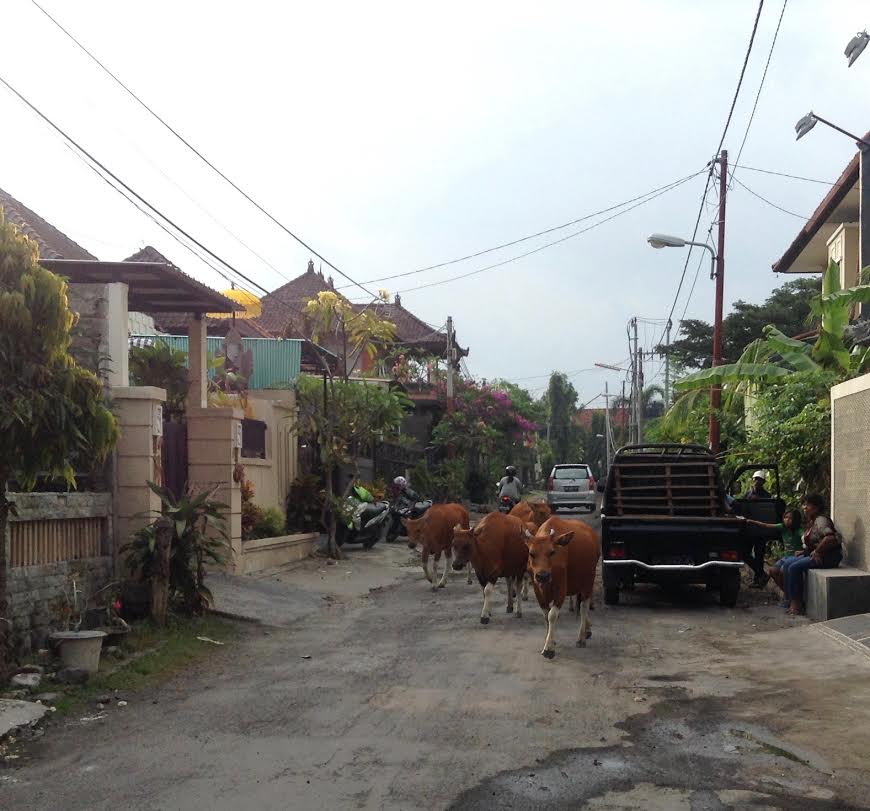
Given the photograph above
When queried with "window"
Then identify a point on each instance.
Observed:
(571, 473)
(253, 439)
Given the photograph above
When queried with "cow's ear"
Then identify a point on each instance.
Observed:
(458, 528)
(564, 540)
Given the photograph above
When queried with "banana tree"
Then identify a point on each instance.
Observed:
(776, 355)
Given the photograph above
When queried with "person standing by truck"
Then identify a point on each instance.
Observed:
(792, 542)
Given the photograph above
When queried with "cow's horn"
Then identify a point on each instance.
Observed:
(552, 532)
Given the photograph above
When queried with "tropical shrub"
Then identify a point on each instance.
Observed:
(270, 524)
(199, 539)
(159, 365)
(304, 508)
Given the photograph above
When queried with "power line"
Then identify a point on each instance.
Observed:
(666, 187)
(712, 163)
(554, 242)
(790, 176)
(118, 180)
(742, 73)
(765, 200)
(760, 86)
(199, 154)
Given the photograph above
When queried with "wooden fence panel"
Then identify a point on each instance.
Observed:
(36, 543)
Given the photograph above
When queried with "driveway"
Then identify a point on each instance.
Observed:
(408, 702)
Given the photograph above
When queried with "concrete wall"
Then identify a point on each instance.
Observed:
(273, 475)
(269, 553)
(90, 345)
(850, 467)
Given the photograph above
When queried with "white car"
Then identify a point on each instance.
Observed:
(571, 487)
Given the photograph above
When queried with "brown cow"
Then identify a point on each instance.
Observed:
(531, 512)
(434, 532)
(494, 548)
(563, 557)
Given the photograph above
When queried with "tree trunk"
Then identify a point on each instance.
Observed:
(5, 624)
(165, 529)
(332, 548)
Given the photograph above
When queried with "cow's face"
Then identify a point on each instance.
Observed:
(540, 512)
(414, 527)
(542, 548)
(463, 544)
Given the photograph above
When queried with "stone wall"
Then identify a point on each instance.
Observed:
(36, 593)
(850, 472)
(90, 334)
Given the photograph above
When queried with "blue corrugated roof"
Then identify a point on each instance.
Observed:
(276, 362)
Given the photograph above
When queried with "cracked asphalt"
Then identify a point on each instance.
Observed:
(408, 702)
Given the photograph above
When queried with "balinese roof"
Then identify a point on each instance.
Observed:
(52, 243)
(808, 250)
(176, 324)
(287, 301)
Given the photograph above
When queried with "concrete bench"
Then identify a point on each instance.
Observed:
(840, 592)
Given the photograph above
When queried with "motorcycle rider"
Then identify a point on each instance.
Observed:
(405, 495)
(510, 485)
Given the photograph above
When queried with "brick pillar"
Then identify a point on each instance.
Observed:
(138, 460)
(213, 448)
(197, 355)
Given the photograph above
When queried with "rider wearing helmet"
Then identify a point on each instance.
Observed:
(404, 493)
(510, 485)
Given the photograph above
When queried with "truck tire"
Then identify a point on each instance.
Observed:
(611, 595)
(729, 588)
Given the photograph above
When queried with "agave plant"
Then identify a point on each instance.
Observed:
(200, 538)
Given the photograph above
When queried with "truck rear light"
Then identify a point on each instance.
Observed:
(617, 551)
(729, 555)
(550, 484)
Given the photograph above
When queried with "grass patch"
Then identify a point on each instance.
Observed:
(153, 656)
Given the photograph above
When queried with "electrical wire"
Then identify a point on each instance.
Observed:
(512, 259)
(790, 176)
(68, 139)
(546, 231)
(770, 203)
(199, 154)
(760, 87)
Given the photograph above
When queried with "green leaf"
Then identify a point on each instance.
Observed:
(732, 373)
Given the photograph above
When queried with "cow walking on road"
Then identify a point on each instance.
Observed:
(494, 548)
(434, 533)
(562, 559)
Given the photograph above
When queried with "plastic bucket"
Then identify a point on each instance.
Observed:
(80, 649)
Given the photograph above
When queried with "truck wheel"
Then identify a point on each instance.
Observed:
(611, 595)
(729, 588)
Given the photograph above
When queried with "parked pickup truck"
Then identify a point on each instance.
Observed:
(665, 519)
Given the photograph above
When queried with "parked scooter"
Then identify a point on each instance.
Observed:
(368, 520)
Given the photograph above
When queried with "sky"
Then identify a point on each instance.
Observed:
(394, 136)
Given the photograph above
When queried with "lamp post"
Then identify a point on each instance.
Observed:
(717, 271)
(810, 120)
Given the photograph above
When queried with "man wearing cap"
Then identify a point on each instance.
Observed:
(756, 490)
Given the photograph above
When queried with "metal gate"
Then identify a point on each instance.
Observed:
(175, 458)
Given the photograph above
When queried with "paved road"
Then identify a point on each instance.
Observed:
(407, 702)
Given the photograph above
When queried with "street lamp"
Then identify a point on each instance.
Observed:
(667, 241)
(811, 119)
(856, 45)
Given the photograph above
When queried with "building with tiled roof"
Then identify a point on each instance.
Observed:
(285, 304)
(53, 244)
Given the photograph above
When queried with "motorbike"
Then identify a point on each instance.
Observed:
(402, 508)
(506, 504)
(368, 522)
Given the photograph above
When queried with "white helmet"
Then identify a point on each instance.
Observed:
(401, 482)
(760, 474)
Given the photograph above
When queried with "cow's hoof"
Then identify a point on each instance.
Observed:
(510, 609)
(484, 620)
(548, 654)
(441, 585)
(581, 643)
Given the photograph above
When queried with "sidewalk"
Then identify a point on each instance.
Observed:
(853, 632)
(282, 596)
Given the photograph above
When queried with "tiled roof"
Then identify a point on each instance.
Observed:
(279, 306)
(409, 328)
(52, 243)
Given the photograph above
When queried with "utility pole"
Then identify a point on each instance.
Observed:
(606, 429)
(864, 218)
(639, 392)
(635, 392)
(716, 391)
(450, 402)
(668, 365)
(625, 438)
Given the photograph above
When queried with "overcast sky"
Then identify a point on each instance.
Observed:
(392, 136)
